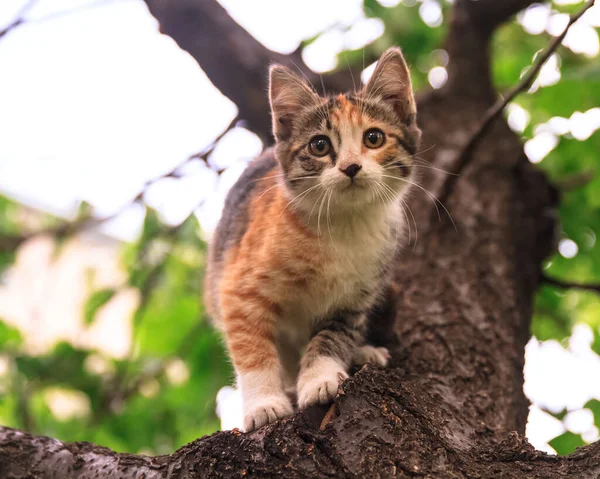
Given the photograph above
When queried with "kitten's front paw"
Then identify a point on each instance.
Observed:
(265, 411)
(319, 384)
(371, 355)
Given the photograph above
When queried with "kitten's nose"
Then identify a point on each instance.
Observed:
(352, 170)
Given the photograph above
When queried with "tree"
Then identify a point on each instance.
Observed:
(451, 404)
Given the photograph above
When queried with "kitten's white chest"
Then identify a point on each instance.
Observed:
(351, 260)
(352, 256)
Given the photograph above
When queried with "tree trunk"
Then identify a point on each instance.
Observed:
(451, 404)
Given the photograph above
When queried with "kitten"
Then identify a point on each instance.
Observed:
(308, 232)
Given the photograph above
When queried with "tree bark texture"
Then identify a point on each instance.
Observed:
(451, 404)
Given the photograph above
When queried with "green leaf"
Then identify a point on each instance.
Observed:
(95, 302)
(151, 228)
(84, 210)
(594, 406)
(558, 415)
(9, 336)
(596, 344)
(566, 443)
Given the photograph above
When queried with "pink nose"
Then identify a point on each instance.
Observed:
(352, 170)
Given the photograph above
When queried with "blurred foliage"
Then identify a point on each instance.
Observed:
(156, 399)
(134, 404)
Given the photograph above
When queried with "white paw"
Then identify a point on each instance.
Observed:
(266, 410)
(319, 384)
(371, 355)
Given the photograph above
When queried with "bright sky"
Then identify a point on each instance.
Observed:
(94, 102)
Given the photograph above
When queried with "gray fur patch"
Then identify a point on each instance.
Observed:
(234, 220)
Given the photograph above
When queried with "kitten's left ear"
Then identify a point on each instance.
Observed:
(391, 82)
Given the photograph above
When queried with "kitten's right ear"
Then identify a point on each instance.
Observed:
(288, 93)
(391, 82)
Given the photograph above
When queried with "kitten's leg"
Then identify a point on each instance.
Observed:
(328, 357)
(251, 342)
(290, 361)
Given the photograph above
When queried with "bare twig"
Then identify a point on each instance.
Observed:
(570, 285)
(19, 19)
(575, 181)
(204, 154)
(493, 112)
(9, 242)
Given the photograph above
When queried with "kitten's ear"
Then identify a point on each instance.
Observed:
(288, 93)
(391, 82)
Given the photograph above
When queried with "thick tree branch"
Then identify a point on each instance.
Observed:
(466, 151)
(488, 14)
(388, 441)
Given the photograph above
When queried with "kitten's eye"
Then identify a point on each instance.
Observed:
(373, 138)
(319, 145)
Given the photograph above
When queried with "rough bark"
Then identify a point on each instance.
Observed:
(451, 404)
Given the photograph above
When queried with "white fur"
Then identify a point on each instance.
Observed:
(371, 355)
(319, 384)
(263, 399)
(354, 247)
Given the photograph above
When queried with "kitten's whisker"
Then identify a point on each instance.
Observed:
(305, 77)
(267, 190)
(431, 195)
(313, 209)
(379, 85)
(297, 197)
(396, 197)
(314, 206)
(425, 150)
(328, 220)
(381, 200)
(351, 74)
(403, 203)
(363, 57)
(282, 175)
(323, 85)
(419, 165)
(319, 217)
(392, 197)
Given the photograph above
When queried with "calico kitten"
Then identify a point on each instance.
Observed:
(307, 234)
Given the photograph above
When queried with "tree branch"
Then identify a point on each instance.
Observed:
(10, 242)
(234, 60)
(570, 285)
(405, 408)
(465, 154)
(19, 18)
(575, 181)
(491, 13)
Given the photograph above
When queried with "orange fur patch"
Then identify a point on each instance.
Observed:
(255, 270)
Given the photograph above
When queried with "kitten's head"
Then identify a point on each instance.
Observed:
(356, 149)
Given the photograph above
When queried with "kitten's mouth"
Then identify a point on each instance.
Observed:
(354, 185)
(354, 190)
